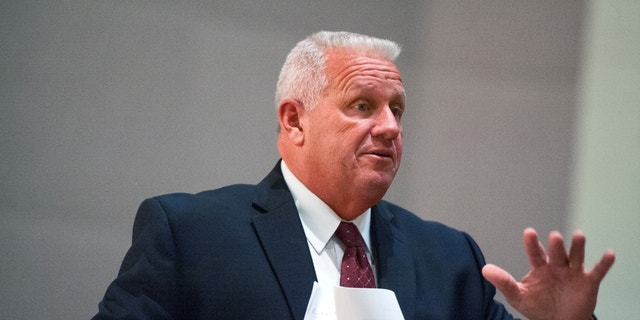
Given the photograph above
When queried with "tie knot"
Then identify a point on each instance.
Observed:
(349, 235)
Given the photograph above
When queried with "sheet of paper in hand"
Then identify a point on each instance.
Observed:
(338, 303)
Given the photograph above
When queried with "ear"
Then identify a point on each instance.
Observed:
(290, 113)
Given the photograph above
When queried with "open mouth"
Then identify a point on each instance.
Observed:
(382, 154)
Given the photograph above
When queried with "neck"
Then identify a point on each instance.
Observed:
(346, 203)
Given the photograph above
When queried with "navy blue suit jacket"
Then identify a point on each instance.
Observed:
(240, 252)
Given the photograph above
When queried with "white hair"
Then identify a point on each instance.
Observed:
(303, 77)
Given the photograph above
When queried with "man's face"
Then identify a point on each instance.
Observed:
(353, 137)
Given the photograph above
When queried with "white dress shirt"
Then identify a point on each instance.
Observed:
(320, 223)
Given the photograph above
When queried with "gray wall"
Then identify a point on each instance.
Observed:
(106, 103)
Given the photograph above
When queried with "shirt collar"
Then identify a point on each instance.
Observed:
(318, 219)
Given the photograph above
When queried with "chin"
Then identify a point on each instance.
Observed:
(382, 181)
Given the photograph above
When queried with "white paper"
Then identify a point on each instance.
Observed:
(321, 305)
(340, 303)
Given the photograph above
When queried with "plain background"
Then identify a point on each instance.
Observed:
(105, 103)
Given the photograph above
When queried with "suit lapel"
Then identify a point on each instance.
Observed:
(394, 260)
(284, 242)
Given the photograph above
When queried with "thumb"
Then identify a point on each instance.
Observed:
(502, 280)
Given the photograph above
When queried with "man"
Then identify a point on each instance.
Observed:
(254, 251)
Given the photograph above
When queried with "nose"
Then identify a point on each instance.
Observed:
(387, 125)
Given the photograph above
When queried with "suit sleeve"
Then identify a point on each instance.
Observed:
(494, 310)
(147, 284)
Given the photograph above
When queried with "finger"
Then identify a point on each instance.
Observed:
(502, 280)
(576, 252)
(557, 254)
(534, 249)
(602, 267)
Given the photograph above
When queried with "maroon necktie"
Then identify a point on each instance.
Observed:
(355, 271)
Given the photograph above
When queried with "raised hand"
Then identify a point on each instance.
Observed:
(557, 287)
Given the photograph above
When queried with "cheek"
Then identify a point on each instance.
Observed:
(397, 145)
(339, 138)
(343, 128)
(346, 134)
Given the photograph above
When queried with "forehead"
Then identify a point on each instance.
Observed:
(346, 69)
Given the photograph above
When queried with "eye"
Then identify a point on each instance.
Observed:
(397, 111)
(362, 107)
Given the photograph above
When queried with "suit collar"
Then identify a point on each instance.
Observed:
(272, 192)
(282, 237)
